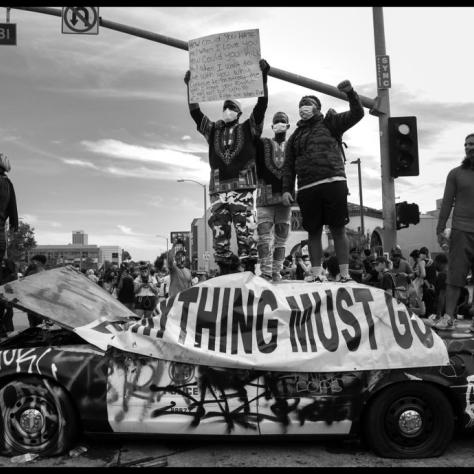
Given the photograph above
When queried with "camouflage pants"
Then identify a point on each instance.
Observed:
(233, 207)
(273, 226)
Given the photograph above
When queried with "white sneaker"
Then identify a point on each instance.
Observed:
(315, 278)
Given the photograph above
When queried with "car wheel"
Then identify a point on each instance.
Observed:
(36, 417)
(409, 420)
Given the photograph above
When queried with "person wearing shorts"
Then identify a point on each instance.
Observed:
(314, 155)
(459, 196)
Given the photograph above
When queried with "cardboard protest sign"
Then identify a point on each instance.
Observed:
(243, 321)
(225, 66)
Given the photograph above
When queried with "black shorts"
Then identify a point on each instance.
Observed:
(324, 204)
(461, 250)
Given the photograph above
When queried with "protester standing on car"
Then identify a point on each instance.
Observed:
(459, 196)
(232, 154)
(8, 209)
(273, 218)
(314, 155)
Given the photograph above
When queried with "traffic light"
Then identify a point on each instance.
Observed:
(406, 214)
(403, 146)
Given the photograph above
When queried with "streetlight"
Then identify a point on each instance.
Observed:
(163, 237)
(362, 229)
(205, 212)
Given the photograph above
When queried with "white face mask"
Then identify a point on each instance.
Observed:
(229, 115)
(279, 127)
(306, 112)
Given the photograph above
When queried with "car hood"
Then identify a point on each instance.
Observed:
(66, 296)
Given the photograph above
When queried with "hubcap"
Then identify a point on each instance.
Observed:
(32, 421)
(410, 422)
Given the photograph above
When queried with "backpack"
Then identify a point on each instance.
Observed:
(336, 136)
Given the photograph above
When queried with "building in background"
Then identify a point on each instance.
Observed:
(111, 254)
(79, 237)
(79, 253)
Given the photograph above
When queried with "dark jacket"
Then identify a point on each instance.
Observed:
(8, 209)
(313, 151)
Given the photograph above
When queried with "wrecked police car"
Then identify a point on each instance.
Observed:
(232, 356)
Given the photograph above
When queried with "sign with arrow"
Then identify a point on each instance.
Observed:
(80, 20)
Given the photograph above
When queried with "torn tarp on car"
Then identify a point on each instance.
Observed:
(243, 321)
(65, 296)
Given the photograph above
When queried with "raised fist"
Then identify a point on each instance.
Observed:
(264, 66)
(345, 86)
(187, 76)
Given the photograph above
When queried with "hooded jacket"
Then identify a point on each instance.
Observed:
(8, 209)
(313, 152)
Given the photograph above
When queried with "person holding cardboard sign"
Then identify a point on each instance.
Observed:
(314, 154)
(273, 218)
(232, 158)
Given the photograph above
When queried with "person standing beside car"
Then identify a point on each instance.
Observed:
(8, 209)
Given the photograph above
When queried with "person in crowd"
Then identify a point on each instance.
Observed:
(419, 270)
(146, 293)
(37, 265)
(436, 279)
(402, 273)
(380, 277)
(273, 218)
(233, 180)
(367, 261)
(180, 276)
(194, 278)
(332, 268)
(109, 280)
(301, 270)
(8, 207)
(288, 272)
(125, 287)
(356, 268)
(314, 155)
(8, 273)
(458, 196)
(91, 275)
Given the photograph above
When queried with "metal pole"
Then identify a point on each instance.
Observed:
(371, 104)
(362, 227)
(388, 185)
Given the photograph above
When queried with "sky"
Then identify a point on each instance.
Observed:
(97, 127)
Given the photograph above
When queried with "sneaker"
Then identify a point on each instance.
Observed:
(345, 279)
(276, 276)
(315, 279)
(446, 322)
(266, 277)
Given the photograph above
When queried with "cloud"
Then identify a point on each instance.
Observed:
(81, 163)
(125, 229)
(186, 137)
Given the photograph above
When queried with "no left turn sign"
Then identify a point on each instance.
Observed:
(80, 20)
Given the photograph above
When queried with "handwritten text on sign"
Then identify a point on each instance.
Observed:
(225, 66)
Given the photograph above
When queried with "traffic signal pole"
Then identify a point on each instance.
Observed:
(369, 103)
(388, 183)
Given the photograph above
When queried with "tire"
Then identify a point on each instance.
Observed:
(49, 429)
(427, 434)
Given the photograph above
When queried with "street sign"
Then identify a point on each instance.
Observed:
(80, 20)
(8, 33)
(382, 63)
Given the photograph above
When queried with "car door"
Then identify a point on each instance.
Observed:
(308, 403)
(147, 395)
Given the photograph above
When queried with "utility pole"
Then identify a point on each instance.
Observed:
(388, 183)
(362, 227)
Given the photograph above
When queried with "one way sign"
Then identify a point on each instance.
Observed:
(80, 20)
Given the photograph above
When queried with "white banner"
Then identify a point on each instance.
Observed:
(243, 321)
(225, 66)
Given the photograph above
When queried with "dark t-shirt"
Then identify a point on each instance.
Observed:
(126, 294)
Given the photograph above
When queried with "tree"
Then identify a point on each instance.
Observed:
(21, 242)
(126, 255)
